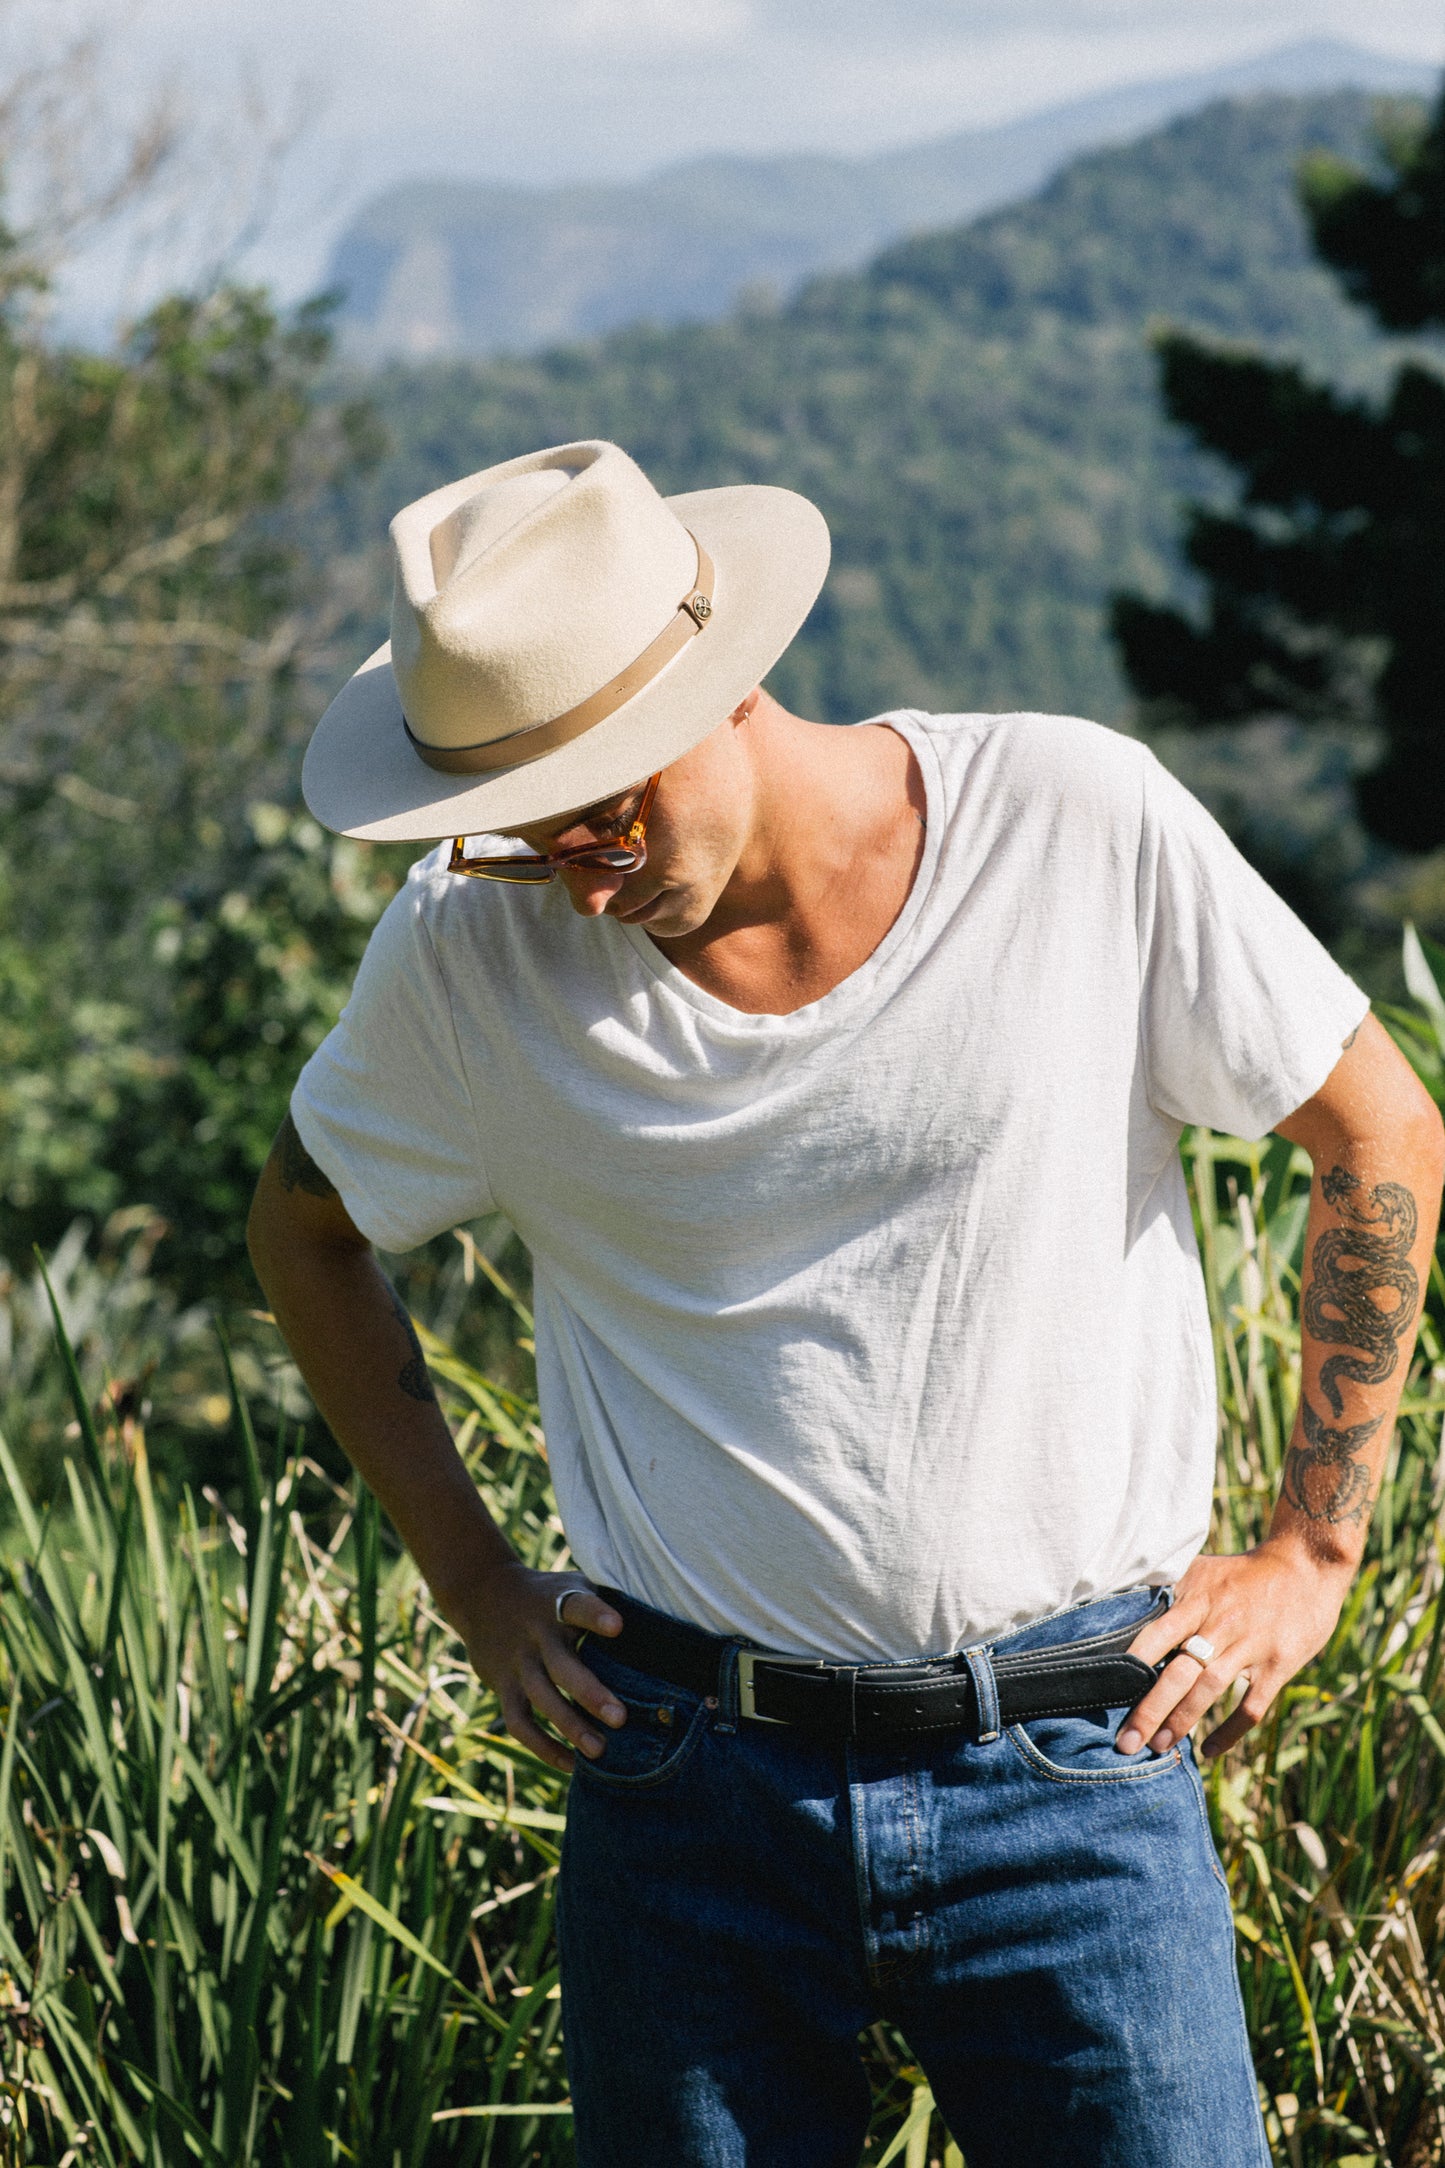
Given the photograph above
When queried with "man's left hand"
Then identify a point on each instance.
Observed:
(1267, 1612)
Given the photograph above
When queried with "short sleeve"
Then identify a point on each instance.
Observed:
(383, 1105)
(1244, 1012)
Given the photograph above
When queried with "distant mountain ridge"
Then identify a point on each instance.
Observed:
(452, 269)
(976, 412)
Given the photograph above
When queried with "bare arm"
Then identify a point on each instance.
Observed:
(1378, 1148)
(358, 1351)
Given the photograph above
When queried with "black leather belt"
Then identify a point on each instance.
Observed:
(879, 1702)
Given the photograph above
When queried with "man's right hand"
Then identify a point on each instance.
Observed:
(530, 1661)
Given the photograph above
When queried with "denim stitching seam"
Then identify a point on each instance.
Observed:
(985, 1687)
(1133, 1773)
(917, 1931)
(1197, 1787)
(682, 1753)
(1000, 1643)
(858, 1830)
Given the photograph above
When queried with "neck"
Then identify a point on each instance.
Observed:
(833, 843)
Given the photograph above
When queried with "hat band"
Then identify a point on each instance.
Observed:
(693, 613)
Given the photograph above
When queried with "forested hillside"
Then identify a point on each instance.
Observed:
(447, 268)
(976, 412)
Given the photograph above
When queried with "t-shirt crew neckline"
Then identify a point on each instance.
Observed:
(861, 984)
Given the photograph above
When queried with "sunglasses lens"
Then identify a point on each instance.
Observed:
(623, 854)
(526, 871)
(603, 858)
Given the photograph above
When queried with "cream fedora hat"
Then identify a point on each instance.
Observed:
(558, 631)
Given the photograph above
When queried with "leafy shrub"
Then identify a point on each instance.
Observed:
(253, 957)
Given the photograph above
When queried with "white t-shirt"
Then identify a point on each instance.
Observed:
(872, 1330)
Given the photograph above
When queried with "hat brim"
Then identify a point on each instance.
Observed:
(361, 776)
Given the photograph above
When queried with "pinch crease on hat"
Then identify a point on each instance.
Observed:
(558, 631)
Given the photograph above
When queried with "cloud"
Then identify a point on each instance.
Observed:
(540, 91)
(659, 24)
(862, 20)
(520, 76)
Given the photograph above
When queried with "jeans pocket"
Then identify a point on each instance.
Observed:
(664, 1724)
(1079, 1749)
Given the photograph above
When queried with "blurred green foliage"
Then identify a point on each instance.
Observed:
(1324, 584)
(169, 1087)
(170, 948)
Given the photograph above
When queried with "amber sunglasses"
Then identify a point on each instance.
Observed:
(622, 853)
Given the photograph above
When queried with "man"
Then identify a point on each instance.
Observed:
(834, 1078)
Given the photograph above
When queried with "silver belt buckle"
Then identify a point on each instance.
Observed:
(747, 1691)
(748, 1660)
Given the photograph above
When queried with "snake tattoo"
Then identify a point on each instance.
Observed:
(1367, 1257)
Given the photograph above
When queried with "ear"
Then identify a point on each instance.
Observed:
(744, 709)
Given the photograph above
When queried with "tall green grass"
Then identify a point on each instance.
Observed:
(270, 1890)
(273, 1893)
(1331, 1816)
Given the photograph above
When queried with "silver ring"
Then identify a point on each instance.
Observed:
(1201, 1650)
(562, 1598)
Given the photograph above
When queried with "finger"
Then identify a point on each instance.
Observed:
(1214, 1680)
(1162, 1709)
(586, 1612)
(571, 1677)
(1162, 1635)
(556, 1710)
(1163, 1697)
(1256, 1704)
(518, 1719)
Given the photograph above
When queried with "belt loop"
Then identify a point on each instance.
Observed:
(985, 1687)
(727, 1688)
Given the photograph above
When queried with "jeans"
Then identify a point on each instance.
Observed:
(1044, 1919)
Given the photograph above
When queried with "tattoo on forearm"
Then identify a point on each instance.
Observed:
(1362, 1293)
(1369, 1256)
(1346, 1044)
(414, 1378)
(298, 1170)
(1323, 1478)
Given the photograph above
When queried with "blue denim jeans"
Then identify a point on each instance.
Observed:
(1043, 1919)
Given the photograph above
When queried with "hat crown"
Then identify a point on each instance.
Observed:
(521, 591)
(457, 541)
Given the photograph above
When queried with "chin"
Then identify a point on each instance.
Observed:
(679, 919)
(687, 905)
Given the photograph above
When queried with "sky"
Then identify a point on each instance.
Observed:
(333, 100)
